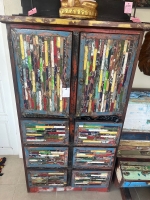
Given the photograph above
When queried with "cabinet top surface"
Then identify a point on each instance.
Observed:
(73, 22)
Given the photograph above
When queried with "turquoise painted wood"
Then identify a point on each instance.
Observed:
(106, 62)
(135, 184)
(43, 67)
(136, 175)
(45, 131)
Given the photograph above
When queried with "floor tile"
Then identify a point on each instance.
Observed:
(134, 194)
(11, 170)
(22, 194)
(114, 194)
(143, 193)
(7, 192)
(21, 179)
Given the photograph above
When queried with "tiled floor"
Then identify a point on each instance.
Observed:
(13, 187)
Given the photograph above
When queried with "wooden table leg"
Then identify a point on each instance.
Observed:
(125, 193)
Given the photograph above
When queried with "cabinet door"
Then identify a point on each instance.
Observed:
(43, 63)
(106, 62)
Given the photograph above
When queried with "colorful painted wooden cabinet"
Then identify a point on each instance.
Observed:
(72, 86)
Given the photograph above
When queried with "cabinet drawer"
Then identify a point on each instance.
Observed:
(91, 179)
(46, 157)
(133, 174)
(93, 157)
(45, 132)
(47, 179)
(97, 134)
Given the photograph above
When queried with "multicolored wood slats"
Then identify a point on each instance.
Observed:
(93, 157)
(50, 157)
(54, 132)
(43, 61)
(90, 179)
(47, 178)
(97, 134)
(104, 72)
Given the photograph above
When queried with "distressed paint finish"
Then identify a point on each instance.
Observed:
(50, 157)
(105, 67)
(133, 174)
(45, 132)
(65, 189)
(135, 143)
(47, 179)
(138, 112)
(68, 22)
(136, 184)
(97, 134)
(98, 158)
(43, 66)
(91, 179)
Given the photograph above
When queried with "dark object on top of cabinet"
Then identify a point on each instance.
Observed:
(144, 58)
(111, 10)
(47, 8)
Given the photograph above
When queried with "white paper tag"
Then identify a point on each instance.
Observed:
(66, 92)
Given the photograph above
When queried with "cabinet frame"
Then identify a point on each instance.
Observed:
(76, 29)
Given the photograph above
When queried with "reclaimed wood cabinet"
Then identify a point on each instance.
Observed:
(72, 81)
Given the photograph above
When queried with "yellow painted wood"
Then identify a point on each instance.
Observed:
(134, 143)
(22, 47)
(46, 53)
(100, 81)
(58, 42)
(94, 59)
(85, 56)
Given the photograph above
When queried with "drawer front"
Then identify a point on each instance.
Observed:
(105, 69)
(46, 157)
(91, 179)
(135, 184)
(43, 68)
(45, 132)
(93, 157)
(47, 179)
(97, 134)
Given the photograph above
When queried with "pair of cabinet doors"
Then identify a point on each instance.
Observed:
(43, 66)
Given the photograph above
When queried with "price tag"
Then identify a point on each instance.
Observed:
(66, 92)
(128, 7)
(135, 19)
(33, 11)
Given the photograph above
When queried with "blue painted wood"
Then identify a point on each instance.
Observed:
(68, 35)
(45, 161)
(84, 173)
(81, 83)
(27, 123)
(135, 136)
(135, 184)
(44, 173)
(97, 157)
